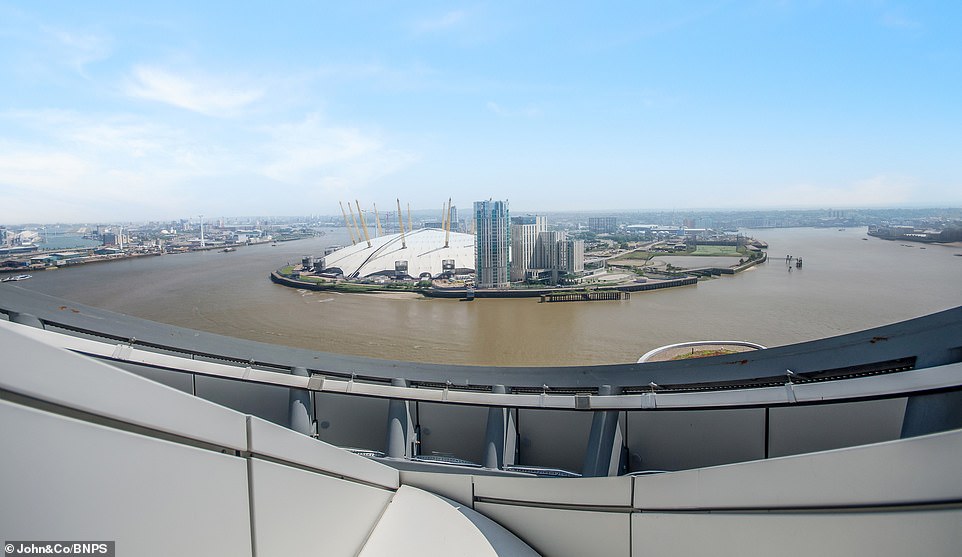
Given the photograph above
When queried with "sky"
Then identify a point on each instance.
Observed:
(152, 111)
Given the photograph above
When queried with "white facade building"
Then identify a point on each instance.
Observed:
(525, 256)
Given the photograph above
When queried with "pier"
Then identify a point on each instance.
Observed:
(585, 296)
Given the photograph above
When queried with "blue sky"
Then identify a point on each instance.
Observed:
(114, 110)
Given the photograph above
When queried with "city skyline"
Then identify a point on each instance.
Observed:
(116, 111)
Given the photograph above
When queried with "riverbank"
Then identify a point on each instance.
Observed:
(52, 260)
(640, 285)
(836, 292)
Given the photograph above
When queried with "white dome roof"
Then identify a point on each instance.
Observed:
(424, 253)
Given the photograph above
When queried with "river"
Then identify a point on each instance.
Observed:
(846, 284)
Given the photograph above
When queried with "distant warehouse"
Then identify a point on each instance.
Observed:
(414, 254)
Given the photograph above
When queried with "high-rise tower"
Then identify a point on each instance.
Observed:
(525, 256)
(492, 244)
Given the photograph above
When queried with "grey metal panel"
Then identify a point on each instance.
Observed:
(272, 440)
(679, 440)
(417, 523)
(458, 487)
(565, 533)
(33, 369)
(454, 430)
(921, 470)
(554, 438)
(806, 429)
(176, 379)
(929, 533)
(264, 401)
(607, 491)
(351, 421)
(63, 479)
(302, 513)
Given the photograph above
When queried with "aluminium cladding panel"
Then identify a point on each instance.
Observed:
(553, 438)
(918, 471)
(348, 420)
(176, 379)
(806, 429)
(417, 523)
(564, 532)
(584, 492)
(684, 439)
(297, 512)
(34, 369)
(453, 430)
(268, 402)
(457, 487)
(933, 533)
(65, 479)
(271, 440)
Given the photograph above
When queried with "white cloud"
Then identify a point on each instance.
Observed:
(199, 94)
(440, 23)
(79, 49)
(86, 166)
(529, 111)
(310, 153)
(881, 190)
(897, 21)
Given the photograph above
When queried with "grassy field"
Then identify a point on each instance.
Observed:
(715, 251)
(633, 255)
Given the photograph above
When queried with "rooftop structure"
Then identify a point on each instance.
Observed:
(415, 253)
(842, 445)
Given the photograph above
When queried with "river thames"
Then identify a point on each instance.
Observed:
(847, 283)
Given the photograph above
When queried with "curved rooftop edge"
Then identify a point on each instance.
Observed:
(927, 341)
(175, 474)
(160, 472)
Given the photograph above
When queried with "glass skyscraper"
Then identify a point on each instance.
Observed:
(492, 244)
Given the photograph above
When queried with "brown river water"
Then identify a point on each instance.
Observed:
(846, 284)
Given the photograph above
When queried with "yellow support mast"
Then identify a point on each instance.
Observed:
(354, 221)
(363, 226)
(447, 229)
(377, 221)
(347, 224)
(410, 226)
(400, 221)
